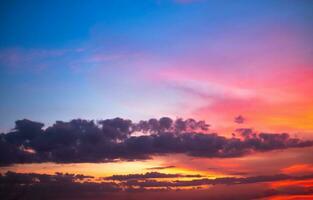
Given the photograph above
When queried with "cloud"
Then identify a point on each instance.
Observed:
(31, 59)
(58, 186)
(239, 119)
(30, 178)
(160, 168)
(150, 179)
(206, 181)
(73, 186)
(109, 140)
(150, 175)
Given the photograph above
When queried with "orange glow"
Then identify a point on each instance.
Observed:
(107, 169)
(92, 169)
(302, 168)
(277, 101)
(302, 183)
(293, 197)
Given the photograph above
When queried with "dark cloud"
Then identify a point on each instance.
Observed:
(150, 175)
(59, 186)
(71, 186)
(30, 178)
(150, 179)
(216, 181)
(239, 119)
(113, 139)
(160, 168)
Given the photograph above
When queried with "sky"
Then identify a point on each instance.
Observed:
(141, 69)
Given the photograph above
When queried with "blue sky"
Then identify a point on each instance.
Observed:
(95, 59)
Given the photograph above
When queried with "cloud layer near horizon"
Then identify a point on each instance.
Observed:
(62, 186)
(109, 140)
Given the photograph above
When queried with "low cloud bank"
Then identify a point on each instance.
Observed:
(120, 139)
(72, 186)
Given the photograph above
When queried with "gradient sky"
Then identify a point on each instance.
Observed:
(201, 59)
(210, 60)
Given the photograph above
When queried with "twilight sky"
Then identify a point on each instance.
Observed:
(245, 67)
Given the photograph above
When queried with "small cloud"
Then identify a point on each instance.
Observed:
(160, 168)
(239, 119)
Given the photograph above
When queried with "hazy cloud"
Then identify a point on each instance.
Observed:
(239, 119)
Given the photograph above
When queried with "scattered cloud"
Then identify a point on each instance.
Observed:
(29, 185)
